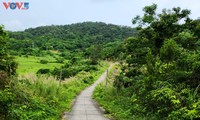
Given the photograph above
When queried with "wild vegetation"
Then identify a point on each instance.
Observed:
(66, 48)
(159, 76)
(69, 39)
(50, 65)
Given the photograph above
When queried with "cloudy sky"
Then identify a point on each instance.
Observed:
(61, 12)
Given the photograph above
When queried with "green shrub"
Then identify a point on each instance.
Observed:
(4, 80)
(6, 101)
(43, 61)
(43, 71)
(59, 60)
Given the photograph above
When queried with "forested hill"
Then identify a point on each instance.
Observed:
(69, 37)
(80, 30)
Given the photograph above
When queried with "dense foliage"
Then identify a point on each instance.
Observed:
(7, 69)
(160, 76)
(69, 38)
(6, 62)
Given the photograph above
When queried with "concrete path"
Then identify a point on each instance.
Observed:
(84, 107)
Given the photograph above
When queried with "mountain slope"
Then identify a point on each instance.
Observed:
(68, 37)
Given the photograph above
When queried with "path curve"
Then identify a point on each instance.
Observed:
(84, 107)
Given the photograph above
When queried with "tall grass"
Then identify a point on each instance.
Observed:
(44, 97)
(41, 85)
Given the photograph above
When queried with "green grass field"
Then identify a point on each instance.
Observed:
(31, 64)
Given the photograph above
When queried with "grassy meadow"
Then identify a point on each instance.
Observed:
(31, 64)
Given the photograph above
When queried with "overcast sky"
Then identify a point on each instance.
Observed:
(61, 12)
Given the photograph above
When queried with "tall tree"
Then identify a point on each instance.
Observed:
(163, 65)
(7, 64)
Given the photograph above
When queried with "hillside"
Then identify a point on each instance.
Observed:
(72, 37)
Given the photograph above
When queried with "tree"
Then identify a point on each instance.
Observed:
(169, 51)
(159, 27)
(7, 64)
(162, 65)
(95, 53)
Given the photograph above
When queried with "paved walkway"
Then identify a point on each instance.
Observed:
(84, 107)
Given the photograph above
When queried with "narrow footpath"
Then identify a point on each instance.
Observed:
(84, 107)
